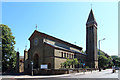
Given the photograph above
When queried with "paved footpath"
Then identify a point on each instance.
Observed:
(94, 74)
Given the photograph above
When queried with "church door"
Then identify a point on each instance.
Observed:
(36, 61)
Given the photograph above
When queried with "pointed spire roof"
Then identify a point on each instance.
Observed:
(91, 18)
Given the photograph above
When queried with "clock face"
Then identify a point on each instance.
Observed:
(36, 41)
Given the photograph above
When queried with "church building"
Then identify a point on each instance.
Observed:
(48, 52)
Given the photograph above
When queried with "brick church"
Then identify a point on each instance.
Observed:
(47, 52)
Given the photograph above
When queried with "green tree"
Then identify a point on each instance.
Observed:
(75, 61)
(110, 61)
(70, 62)
(102, 60)
(8, 52)
(117, 60)
(67, 63)
(82, 51)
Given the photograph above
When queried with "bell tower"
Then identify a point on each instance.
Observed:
(91, 41)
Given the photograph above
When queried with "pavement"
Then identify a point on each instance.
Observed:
(94, 74)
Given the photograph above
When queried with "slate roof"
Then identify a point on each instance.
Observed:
(66, 49)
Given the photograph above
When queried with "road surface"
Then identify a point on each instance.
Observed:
(104, 74)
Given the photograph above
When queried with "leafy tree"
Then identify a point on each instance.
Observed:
(8, 52)
(70, 62)
(110, 63)
(82, 51)
(75, 61)
(104, 60)
(67, 63)
(116, 60)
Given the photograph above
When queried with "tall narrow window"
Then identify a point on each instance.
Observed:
(72, 56)
(62, 54)
(67, 55)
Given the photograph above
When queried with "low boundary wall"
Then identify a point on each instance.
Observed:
(59, 71)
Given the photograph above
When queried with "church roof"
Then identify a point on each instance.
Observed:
(91, 18)
(53, 38)
(61, 48)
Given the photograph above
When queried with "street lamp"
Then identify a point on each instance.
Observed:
(32, 67)
(91, 67)
(99, 50)
(99, 44)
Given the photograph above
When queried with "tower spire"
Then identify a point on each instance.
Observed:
(91, 19)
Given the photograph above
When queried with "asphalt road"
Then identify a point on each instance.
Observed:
(95, 75)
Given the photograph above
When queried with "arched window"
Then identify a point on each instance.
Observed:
(36, 61)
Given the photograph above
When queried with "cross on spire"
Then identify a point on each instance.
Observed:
(36, 26)
(75, 43)
(91, 5)
(26, 47)
(17, 49)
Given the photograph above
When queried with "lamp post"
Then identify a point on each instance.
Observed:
(99, 51)
(91, 67)
(32, 67)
